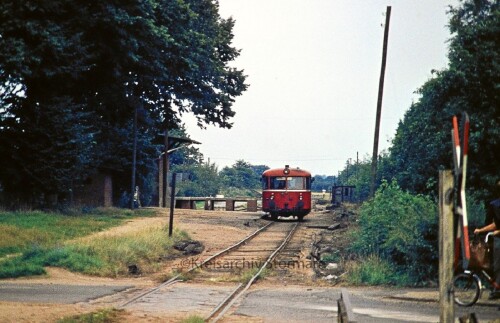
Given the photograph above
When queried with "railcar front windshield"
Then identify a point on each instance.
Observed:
(289, 182)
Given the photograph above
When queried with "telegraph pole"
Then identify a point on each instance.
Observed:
(134, 159)
(379, 102)
(165, 169)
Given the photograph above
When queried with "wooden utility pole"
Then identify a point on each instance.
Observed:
(165, 170)
(446, 247)
(134, 159)
(379, 101)
(172, 205)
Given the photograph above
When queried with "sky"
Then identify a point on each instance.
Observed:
(313, 69)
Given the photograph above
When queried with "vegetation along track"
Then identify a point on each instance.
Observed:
(245, 260)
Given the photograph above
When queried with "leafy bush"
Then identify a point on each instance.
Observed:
(400, 229)
(231, 191)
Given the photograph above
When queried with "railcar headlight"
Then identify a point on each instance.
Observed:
(300, 196)
(272, 196)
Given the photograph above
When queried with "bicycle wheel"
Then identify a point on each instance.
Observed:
(467, 289)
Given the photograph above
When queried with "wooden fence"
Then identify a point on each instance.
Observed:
(209, 203)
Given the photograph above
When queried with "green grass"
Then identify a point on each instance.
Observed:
(101, 316)
(40, 239)
(246, 275)
(373, 270)
(143, 249)
(200, 205)
(25, 230)
(331, 257)
(193, 319)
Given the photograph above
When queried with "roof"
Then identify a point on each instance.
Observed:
(281, 172)
(174, 141)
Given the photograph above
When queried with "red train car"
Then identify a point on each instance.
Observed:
(286, 192)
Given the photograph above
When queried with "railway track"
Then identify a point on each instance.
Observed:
(254, 257)
(246, 259)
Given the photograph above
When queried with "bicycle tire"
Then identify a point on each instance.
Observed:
(466, 289)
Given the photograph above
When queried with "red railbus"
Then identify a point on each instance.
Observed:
(286, 192)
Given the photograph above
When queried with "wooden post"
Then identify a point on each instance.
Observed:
(446, 247)
(229, 205)
(164, 190)
(160, 181)
(345, 312)
(252, 206)
(379, 102)
(172, 206)
(134, 160)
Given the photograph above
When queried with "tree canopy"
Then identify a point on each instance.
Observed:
(242, 175)
(470, 83)
(73, 72)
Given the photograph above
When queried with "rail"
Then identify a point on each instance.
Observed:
(228, 302)
(176, 279)
(220, 310)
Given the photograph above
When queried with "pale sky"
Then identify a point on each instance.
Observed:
(313, 71)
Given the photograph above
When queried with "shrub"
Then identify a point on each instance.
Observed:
(401, 229)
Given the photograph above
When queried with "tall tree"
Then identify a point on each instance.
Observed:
(240, 175)
(45, 134)
(204, 180)
(470, 83)
(108, 58)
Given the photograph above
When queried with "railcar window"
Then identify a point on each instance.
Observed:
(308, 183)
(296, 183)
(265, 183)
(278, 183)
(291, 183)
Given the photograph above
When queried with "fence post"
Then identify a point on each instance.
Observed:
(252, 206)
(345, 312)
(229, 205)
(446, 247)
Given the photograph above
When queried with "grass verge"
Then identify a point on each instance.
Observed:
(101, 316)
(49, 240)
(373, 270)
(193, 319)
